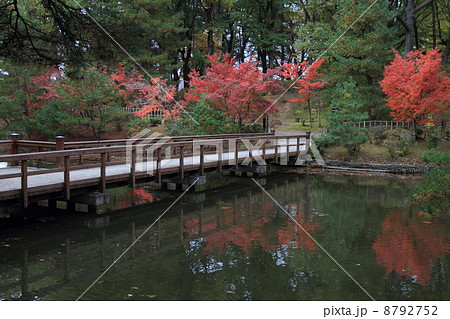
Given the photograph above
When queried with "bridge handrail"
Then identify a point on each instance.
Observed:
(121, 148)
(63, 157)
(61, 144)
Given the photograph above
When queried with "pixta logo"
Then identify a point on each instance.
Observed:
(146, 146)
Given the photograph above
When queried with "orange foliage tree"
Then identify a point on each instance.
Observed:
(306, 80)
(415, 88)
(238, 90)
(147, 96)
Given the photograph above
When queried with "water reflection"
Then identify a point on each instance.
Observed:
(236, 244)
(408, 245)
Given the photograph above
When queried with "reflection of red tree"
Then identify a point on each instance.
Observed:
(293, 235)
(240, 236)
(408, 246)
(138, 196)
(251, 230)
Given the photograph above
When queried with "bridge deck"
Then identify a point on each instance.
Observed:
(106, 165)
(51, 182)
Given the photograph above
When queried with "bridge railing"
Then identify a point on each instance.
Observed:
(197, 148)
(15, 145)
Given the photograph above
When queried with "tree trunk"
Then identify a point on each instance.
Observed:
(409, 27)
(263, 58)
(186, 56)
(433, 12)
(411, 9)
(310, 114)
(447, 49)
(210, 42)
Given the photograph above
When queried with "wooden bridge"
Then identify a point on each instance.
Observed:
(60, 169)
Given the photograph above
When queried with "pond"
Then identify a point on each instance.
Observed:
(235, 243)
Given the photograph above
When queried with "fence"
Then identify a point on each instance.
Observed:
(387, 124)
(157, 113)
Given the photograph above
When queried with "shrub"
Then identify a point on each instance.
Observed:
(210, 121)
(321, 142)
(347, 101)
(137, 124)
(433, 195)
(378, 135)
(433, 156)
(433, 137)
(257, 128)
(398, 142)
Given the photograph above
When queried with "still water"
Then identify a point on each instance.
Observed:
(234, 243)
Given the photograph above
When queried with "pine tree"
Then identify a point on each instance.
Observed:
(360, 53)
(346, 113)
(364, 50)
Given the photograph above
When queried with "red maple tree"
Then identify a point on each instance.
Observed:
(238, 90)
(306, 80)
(147, 96)
(45, 84)
(415, 88)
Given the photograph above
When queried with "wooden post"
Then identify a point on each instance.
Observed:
(308, 140)
(202, 159)
(298, 147)
(181, 169)
(158, 165)
(66, 178)
(14, 146)
(133, 169)
(219, 158)
(59, 147)
(276, 151)
(103, 173)
(39, 162)
(80, 160)
(236, 154)
(24, 182)
(264, 150)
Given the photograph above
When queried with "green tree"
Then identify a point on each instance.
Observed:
(46, 31)
(263, 28)
(209, 119)
(361, 52)
(433, 194)
(22, 92)
(346, 113)
(364, 50)
(85, 107)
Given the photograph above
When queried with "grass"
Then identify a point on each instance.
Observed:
(288, 111)
(379, 153)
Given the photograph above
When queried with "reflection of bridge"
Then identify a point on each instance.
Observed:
(79, 167)
(64, 264)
